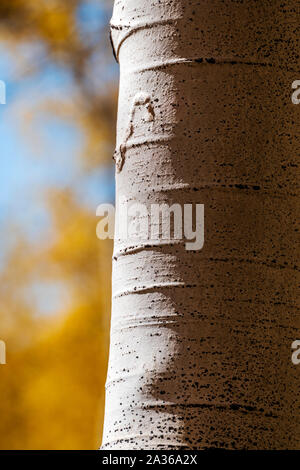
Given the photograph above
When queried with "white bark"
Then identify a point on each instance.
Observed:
(201, 341)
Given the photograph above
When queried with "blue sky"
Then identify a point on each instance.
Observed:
(26, 173)
(23, 174)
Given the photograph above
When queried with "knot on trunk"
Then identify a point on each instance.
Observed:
(140, 99)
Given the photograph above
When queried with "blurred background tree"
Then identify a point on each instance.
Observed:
(57, 138)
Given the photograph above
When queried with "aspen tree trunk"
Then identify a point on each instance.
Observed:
(200, 353)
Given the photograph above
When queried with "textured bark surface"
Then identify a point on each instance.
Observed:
(200, 352)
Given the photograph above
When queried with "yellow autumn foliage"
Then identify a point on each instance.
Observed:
(52, 387)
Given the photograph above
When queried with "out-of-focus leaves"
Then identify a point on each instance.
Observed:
(52, 388)
(54, 25)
